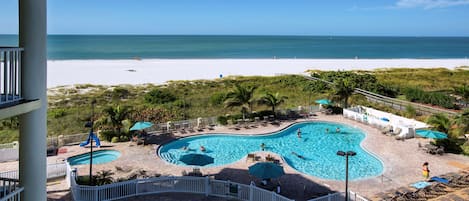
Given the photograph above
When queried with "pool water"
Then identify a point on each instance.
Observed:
(99, 157)
(318, 147)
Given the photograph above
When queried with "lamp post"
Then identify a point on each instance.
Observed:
(90, 125)
(346, 154)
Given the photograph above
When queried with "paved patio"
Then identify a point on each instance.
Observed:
(402, 162)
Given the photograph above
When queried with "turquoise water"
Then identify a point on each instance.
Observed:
(99, 157)
(62, 47)
(317, 147)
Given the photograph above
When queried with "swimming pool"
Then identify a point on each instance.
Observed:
(318, 147)
(99, 157)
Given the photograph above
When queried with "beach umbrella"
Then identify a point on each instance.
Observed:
(431, 134)
(196, 159)
(266, 170)
(323, 101)
(141, 125)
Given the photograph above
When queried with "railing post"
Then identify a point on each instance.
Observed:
(207, 186)
(251, 192)
(96, 197)
(136, 187)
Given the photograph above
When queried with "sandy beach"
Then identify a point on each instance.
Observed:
(159, 71)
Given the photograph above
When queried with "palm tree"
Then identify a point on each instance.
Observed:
(241, 97)
(104, 177)
(342, 91)
(462, 121)
(440, 122)
(114, 115)
(272, 100)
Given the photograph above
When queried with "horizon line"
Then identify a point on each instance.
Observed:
(278, 35)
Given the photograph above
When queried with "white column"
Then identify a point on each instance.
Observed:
(33, 125)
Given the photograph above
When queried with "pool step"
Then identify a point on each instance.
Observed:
(168, 157)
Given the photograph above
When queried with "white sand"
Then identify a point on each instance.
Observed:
(158, 71)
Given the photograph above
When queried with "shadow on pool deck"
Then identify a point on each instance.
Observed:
(293, 186)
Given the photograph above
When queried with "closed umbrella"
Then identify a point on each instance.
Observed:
(196, 159)
(431, 134)
(141, 125)
(266, 170)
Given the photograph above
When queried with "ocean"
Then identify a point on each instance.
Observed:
(67, 47)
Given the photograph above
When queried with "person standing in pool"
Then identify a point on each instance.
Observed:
(262, 146)
(298, 133)
(337, 130)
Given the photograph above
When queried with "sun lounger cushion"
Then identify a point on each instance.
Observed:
(439, 179)
(420, 184)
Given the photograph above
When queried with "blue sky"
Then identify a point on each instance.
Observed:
(251, 17)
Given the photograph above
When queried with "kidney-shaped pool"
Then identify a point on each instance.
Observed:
(318, 146)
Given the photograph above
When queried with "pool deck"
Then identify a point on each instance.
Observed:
(402, 163)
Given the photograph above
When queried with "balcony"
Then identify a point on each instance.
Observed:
(12, 102)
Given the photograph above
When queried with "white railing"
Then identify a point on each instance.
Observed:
(13, 196)
(340, 196)
(53, 171)
(9, 154)
(10, 74)
(9, 145)
(185, 184)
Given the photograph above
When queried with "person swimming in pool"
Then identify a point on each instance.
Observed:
(337, 130)
(298, 133)
(297, 155)
(262, 146)
(202, 148)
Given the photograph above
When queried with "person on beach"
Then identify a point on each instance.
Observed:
(425, 170)
(262, 146)
(298, 133)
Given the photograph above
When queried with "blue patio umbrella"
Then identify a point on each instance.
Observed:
(196, 159)
(141, 125)
(266, 170)
(323, 101)
(431, 134)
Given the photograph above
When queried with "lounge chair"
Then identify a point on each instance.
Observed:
(251, 157)
(386, 129)
(396, 131)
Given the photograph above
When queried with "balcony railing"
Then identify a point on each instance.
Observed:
(10, 75)
(9, 189)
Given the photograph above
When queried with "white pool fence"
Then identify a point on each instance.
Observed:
(54, 170)
(340, 196)
(184, 184)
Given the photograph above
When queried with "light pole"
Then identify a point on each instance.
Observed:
(90, 137)
(346, 154)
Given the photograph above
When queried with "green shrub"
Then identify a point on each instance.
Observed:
(465, 148)
(217, 98)
(123, 138)
(57, 113)
(107, 135)
(115, 139)
(222, 120)
(451, 145)
(181, 104)
(159, 96)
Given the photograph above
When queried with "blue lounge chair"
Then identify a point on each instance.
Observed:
(420, 184)
(439, 179)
